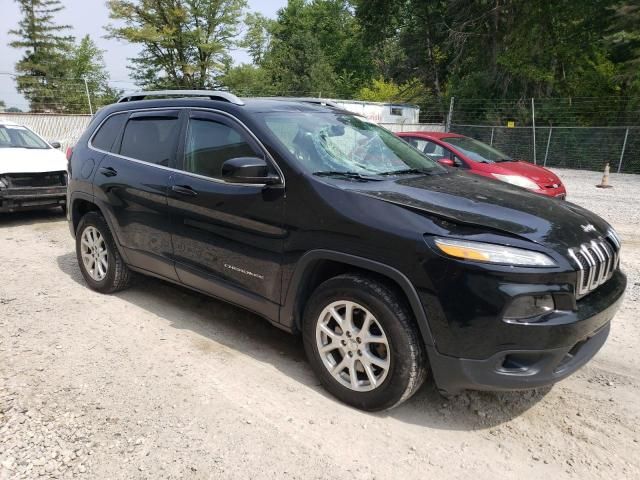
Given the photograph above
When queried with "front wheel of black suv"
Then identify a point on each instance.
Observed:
(100, 262)
(361, 341)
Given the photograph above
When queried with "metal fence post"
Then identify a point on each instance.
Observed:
(624, 147)
(492, 129)
(546, 153)
(86, 89)
(533, 117)
(450, 116)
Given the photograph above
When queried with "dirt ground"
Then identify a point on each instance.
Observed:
(160, 382)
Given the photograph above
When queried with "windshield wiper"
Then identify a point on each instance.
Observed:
(350, 175)
(407, 171)
(504, 160)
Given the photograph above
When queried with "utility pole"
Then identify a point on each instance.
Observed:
(533, 116)
(450, 116)
(86, 89)
(624, 147)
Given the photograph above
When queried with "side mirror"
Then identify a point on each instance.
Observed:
(447, 162)
(248, 170)
(56, 144)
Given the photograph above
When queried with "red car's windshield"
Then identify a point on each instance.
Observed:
(477, 151)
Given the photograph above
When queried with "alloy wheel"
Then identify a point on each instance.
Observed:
(95, 255)
(353, 346)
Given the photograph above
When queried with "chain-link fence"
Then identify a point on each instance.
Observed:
(584, 148)
(578, 133)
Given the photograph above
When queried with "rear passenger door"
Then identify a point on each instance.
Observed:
(131, 183)
(227, 237)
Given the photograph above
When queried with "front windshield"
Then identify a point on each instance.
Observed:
(342, 143)
(16, 136)
(477, 151)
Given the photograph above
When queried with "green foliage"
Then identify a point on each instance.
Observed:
(52, 70)
(85, 61)
(507, 49)
(257, 38)
(316, 49)
(248, 81)
(381, 90)
(40, 70)
(185, 43)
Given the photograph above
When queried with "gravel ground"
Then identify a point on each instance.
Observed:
(160, 382)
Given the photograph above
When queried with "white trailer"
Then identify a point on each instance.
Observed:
(386, 113)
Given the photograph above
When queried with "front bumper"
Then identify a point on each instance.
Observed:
(523, 367)
(25, 198)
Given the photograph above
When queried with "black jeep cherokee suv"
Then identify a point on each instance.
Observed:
(326, 224)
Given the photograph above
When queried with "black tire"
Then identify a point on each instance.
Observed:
(408, 360)
(118, 275)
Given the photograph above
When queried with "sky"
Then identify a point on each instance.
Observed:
(88, 17)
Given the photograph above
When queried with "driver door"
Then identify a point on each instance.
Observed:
(227, 237)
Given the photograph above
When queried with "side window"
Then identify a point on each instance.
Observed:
(106, 135)
(210, 143)
(432, 149)
(150, 138)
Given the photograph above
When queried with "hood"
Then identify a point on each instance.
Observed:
(25, 160)
(471, 199)
(540, 175)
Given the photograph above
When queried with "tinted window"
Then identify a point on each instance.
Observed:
(108, 132)
(152, 139)
(209, 144)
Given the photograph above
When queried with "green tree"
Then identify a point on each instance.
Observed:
(41, 68)
(382, 90)
(185, 43)
(248, 80)
(85, 62)
(257, 38)
(316, 48)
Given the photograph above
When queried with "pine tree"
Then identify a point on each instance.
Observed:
(40, 69)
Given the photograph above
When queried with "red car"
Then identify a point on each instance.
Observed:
(463, 152)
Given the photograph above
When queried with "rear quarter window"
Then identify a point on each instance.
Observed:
(105, 137)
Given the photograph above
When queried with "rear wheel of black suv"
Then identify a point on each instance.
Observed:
(100, 262)
(362, 343)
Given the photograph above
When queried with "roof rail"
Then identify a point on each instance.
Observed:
(211, 94)
(313, 100)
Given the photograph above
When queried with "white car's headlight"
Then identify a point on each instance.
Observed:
(517, 180)
(492, 253)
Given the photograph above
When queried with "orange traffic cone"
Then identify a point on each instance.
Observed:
(605, 178)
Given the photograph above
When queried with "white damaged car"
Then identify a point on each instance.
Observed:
(33, 173)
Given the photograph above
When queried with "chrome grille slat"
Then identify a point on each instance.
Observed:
(596, 260)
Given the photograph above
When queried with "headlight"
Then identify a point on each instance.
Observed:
(491, 253)
(3, 183)
(518, 181)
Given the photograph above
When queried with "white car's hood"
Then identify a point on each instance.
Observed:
(25, 160)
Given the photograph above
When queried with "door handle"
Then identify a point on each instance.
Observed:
(108, 171)
(184, 190)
